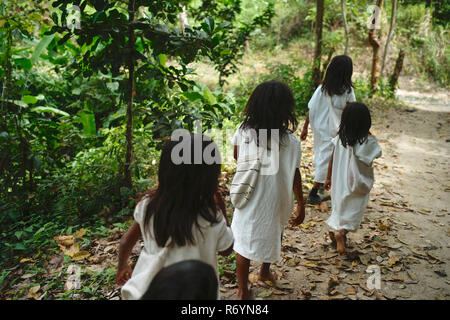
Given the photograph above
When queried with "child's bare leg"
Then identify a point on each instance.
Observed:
(341, 239)
(332, 238)
(265, 274)
(313, 197)
(242, 269)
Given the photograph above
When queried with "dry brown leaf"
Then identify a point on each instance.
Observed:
(80, 233)
(80, 255)
(33, 292)
(332, 283)
(64, 240)
(351, 291)
(393, 260)
(265, 294)
(70, 251)
(253, 278)
(323, 206)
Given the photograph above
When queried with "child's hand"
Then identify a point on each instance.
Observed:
(123, 274)
(300, 215)
(327, 185)
(304, 134)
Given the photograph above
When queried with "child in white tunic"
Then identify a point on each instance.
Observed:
(348, 206)
(325, 109)
(257, 227)
(179, 220)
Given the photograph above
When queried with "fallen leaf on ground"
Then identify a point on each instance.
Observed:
(283, 284)
(33, 292)
(332, 283)
(64, 240)
(323, 206)
(253, 278)
(265, 294)
(80, 255)
(393, 260)
(80, 233)
(351, 291)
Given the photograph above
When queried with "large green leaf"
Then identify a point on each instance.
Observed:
(23, 63)
(51, 110)
(29, 99)
(209, 96)
(88, 120)
(45, 41)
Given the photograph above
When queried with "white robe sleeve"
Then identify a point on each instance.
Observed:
(368, 151)
(224, 235)
(352, 97)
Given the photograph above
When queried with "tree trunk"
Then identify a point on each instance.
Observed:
(7, 81)
(391, 34)
(129, 133)
(344, 17)
(183, 19)
(318, 48)
(375, 43)
(398, 68)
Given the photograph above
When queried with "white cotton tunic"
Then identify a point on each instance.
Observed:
(347, 207)
(325, 117)
(257, 227)
(212, 239)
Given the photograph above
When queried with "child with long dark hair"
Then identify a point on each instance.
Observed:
(185, 280)
(353, 143)
(268, 126)
(325, 109)
(179, 220)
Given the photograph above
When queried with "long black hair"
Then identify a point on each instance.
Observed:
(270, 106)
(355, 124)
(185, 191)
(185, 280)
(338, 77)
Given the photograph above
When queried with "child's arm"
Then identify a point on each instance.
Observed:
(236, 152)
(126, 244)
(221, 204)
(298, 191)
(227, 252)
(304, 133)
(327, 184)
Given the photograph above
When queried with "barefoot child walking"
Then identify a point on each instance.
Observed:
(350, 172)
(179, 220)
(325, 109)
(258, 224)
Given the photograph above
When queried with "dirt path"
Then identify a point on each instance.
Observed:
(405, 232)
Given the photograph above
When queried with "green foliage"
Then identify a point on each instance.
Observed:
(62, 134)
(428, 46)
(302, 87)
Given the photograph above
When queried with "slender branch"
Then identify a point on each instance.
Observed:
(344, 17)
(390, 35)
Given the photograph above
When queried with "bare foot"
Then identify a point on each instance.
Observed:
(297, 220)
(243, 294)
(267, 276)
(340, 241)
(332, 238)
